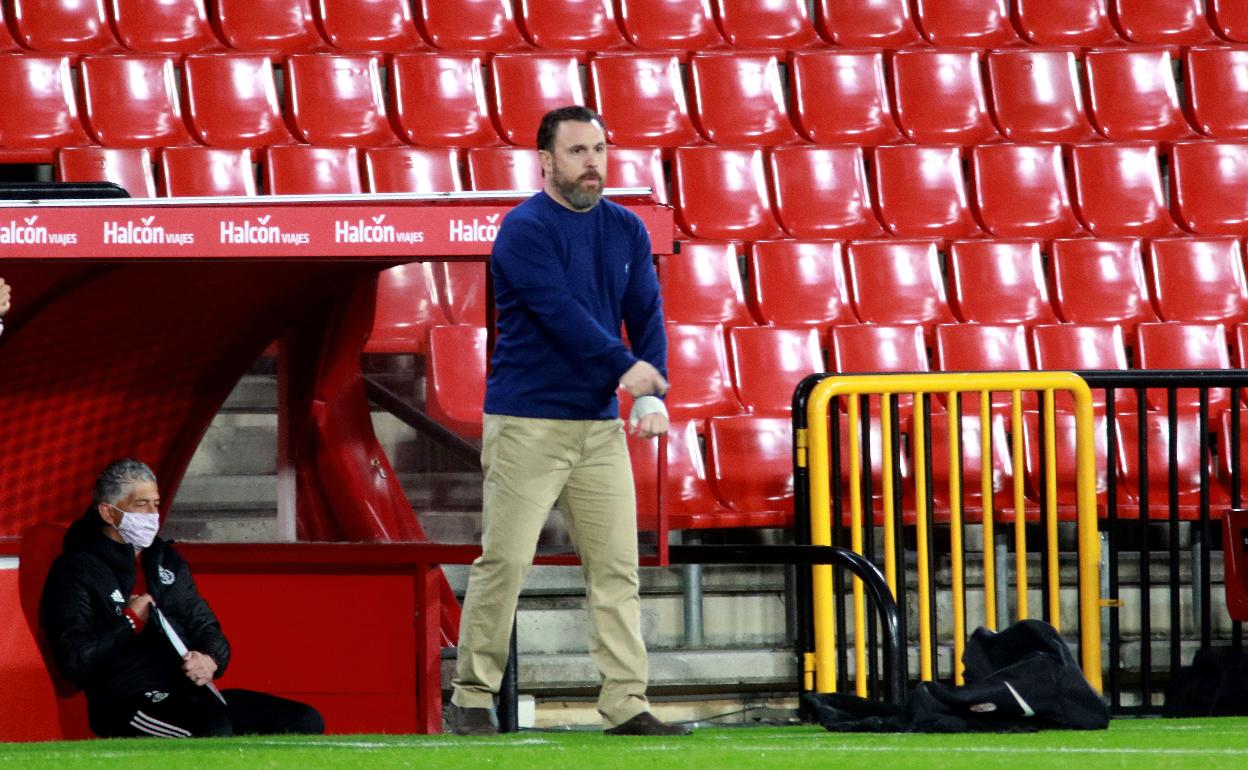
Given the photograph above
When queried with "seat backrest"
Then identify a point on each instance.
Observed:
(1132, 95)
(637, 167)
(337, 100)
(1162, 22)
(192, 171)
(999, 282)
(939, 96)
(877, 348)
(898, 282)
(1037, 95)
(462, 288)
(775, 24)
(687, 496)
(642, 99)
(232, 101)
(412, 169)
(1187, 461)
(1065, 452)
(1199, 279)
(977, 23)
(1207, 182)
(1177, 345)
(670, 25)
(739, 98)
(131, 168)
(867, 23)
(44, 87)
(470, 25)
(279, 27)
(62, 26)
(1021, 191)
(504, 168)
(455, 378)
(842, 97)
(1067, 347)
(526, 86)
(922, 193)
(697, 364)
(439, 99)
(7, 43)
(821, 192)
(1100, 281)
(799, 283)
(1229, 19)
(570, 25)
(168, 26)
(1065, 22)
(1217, 89)
(970, 442)
(133, 101)
(972, 347)
(298, 169)
(769, 361)
(702, 284)
(721, 193)
(1118, 190)
(407, 306)
(751, 462)
(369, 26)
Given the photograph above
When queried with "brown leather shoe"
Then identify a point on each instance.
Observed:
(646, 723)
(471, 721)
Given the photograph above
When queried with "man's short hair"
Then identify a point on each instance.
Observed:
(114, 482)
(551, 120)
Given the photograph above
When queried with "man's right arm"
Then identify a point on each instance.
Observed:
(82, 641)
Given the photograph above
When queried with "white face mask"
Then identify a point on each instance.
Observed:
(137, 529)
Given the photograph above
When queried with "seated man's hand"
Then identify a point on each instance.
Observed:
(198, 667)
(5, 293)
(651, 425)
(642, 379)
(141, 605)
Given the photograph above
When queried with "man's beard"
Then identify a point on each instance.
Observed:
(572, 192)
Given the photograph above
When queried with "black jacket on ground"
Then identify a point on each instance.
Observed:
(91, 640)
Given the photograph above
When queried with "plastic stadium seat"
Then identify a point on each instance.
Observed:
(1118, 190)
(1066, 454)
(637, 167)
(1226, 450)
(739, 98)
(939, 96)
(191, 171)
(702, 285)
(470, 25)
(781, 24)
(642, 99)
(62, 26)
(973, 347)
(1217, 89)
(1241, 345)
(132, 101)
(131, 168)
(1021, 190)
(799, 283)
(697, 365)
(298, 169)
(1065, 22)
(687, 496)
(842, 97)
(1100, 281)
(1168, 22)
(1229, 19)
(670, 25)
(1037, 96)
(570, 25)
(527, 86)
(721, 194)
(7, 43)
(867, 23)
(878, 348)
(1132, 94)
(898, 282)
(999, 282)
(455, 385)
(1187, 461)
(1067, 347)
(1208, 184)
(232, 101)
(769, 361)
(504, 168)
(1198, 279)
(971, 464)
(337, 100)
(44, 87)
(462, 288)
(921, 191)
(279, 27)
(1183, 346)
(407, 306)
(751, 463)
(164, 26)
(412, 169)
(975, 23)
(821, 192)
(370, 26)
(439, 100)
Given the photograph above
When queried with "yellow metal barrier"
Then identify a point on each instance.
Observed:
(816, 455)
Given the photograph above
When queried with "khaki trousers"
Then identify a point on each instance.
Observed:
(530, 465)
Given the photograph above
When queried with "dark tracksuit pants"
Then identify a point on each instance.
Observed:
(194, 712)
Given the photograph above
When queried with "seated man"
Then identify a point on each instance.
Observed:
(101, 611)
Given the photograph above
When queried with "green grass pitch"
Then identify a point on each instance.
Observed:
(1201, 744)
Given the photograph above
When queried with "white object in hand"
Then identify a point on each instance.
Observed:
(643, 406)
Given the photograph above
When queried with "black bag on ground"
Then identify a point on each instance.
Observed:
(1021, 679)
(1215, 685)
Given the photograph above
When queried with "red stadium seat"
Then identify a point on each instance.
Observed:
(1229, 19)
(527, 86)
(1118, 190)
(1188, 463)
(1217, 90)
(570, 25)
(232, 101)
(62, 26)
(721, 194)
(739, 98)
(633, 167)
(999, 282)
(1037, 96)
(821, 192)
(1208, 186)
(898, 282)
(873, 347)
(439, 100)
(841, 97)
(940, 97)
(751, 464)
(130, 168)
(921, 192)
(337, 100)
(799, 283)
(1100, 281)
(1166, 22)
(166, 26)
(190, 171)
(1241, 345)
(1066, 453)
(132, 101)
(642, 99)
(769, 361)
(504, 168)
(783, 24)
(1226, 451)
(280, 27)
(687, 496)
(973, 347)
(702, 285)
(298, 169)
(412, 169)
(1065, 22)
(1132, 95)
(975, 23)
(1199, 279)
(867, 23)
(1067, 347)
(972, 463)
(697, 365)
(370, 26)
(1183, 346)
(407, 306)
(462, 288)
(469, 25)
(44, 87)
(670, 25)
(455, 378)
(1021, 190)
(7, 43)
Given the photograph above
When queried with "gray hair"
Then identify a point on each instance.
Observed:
(114, 482)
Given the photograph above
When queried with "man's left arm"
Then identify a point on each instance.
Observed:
(202, 629)
(643, 319)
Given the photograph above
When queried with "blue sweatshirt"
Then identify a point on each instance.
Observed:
(563, 282)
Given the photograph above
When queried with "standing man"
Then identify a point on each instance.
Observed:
(5, 294)
(568, 267)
